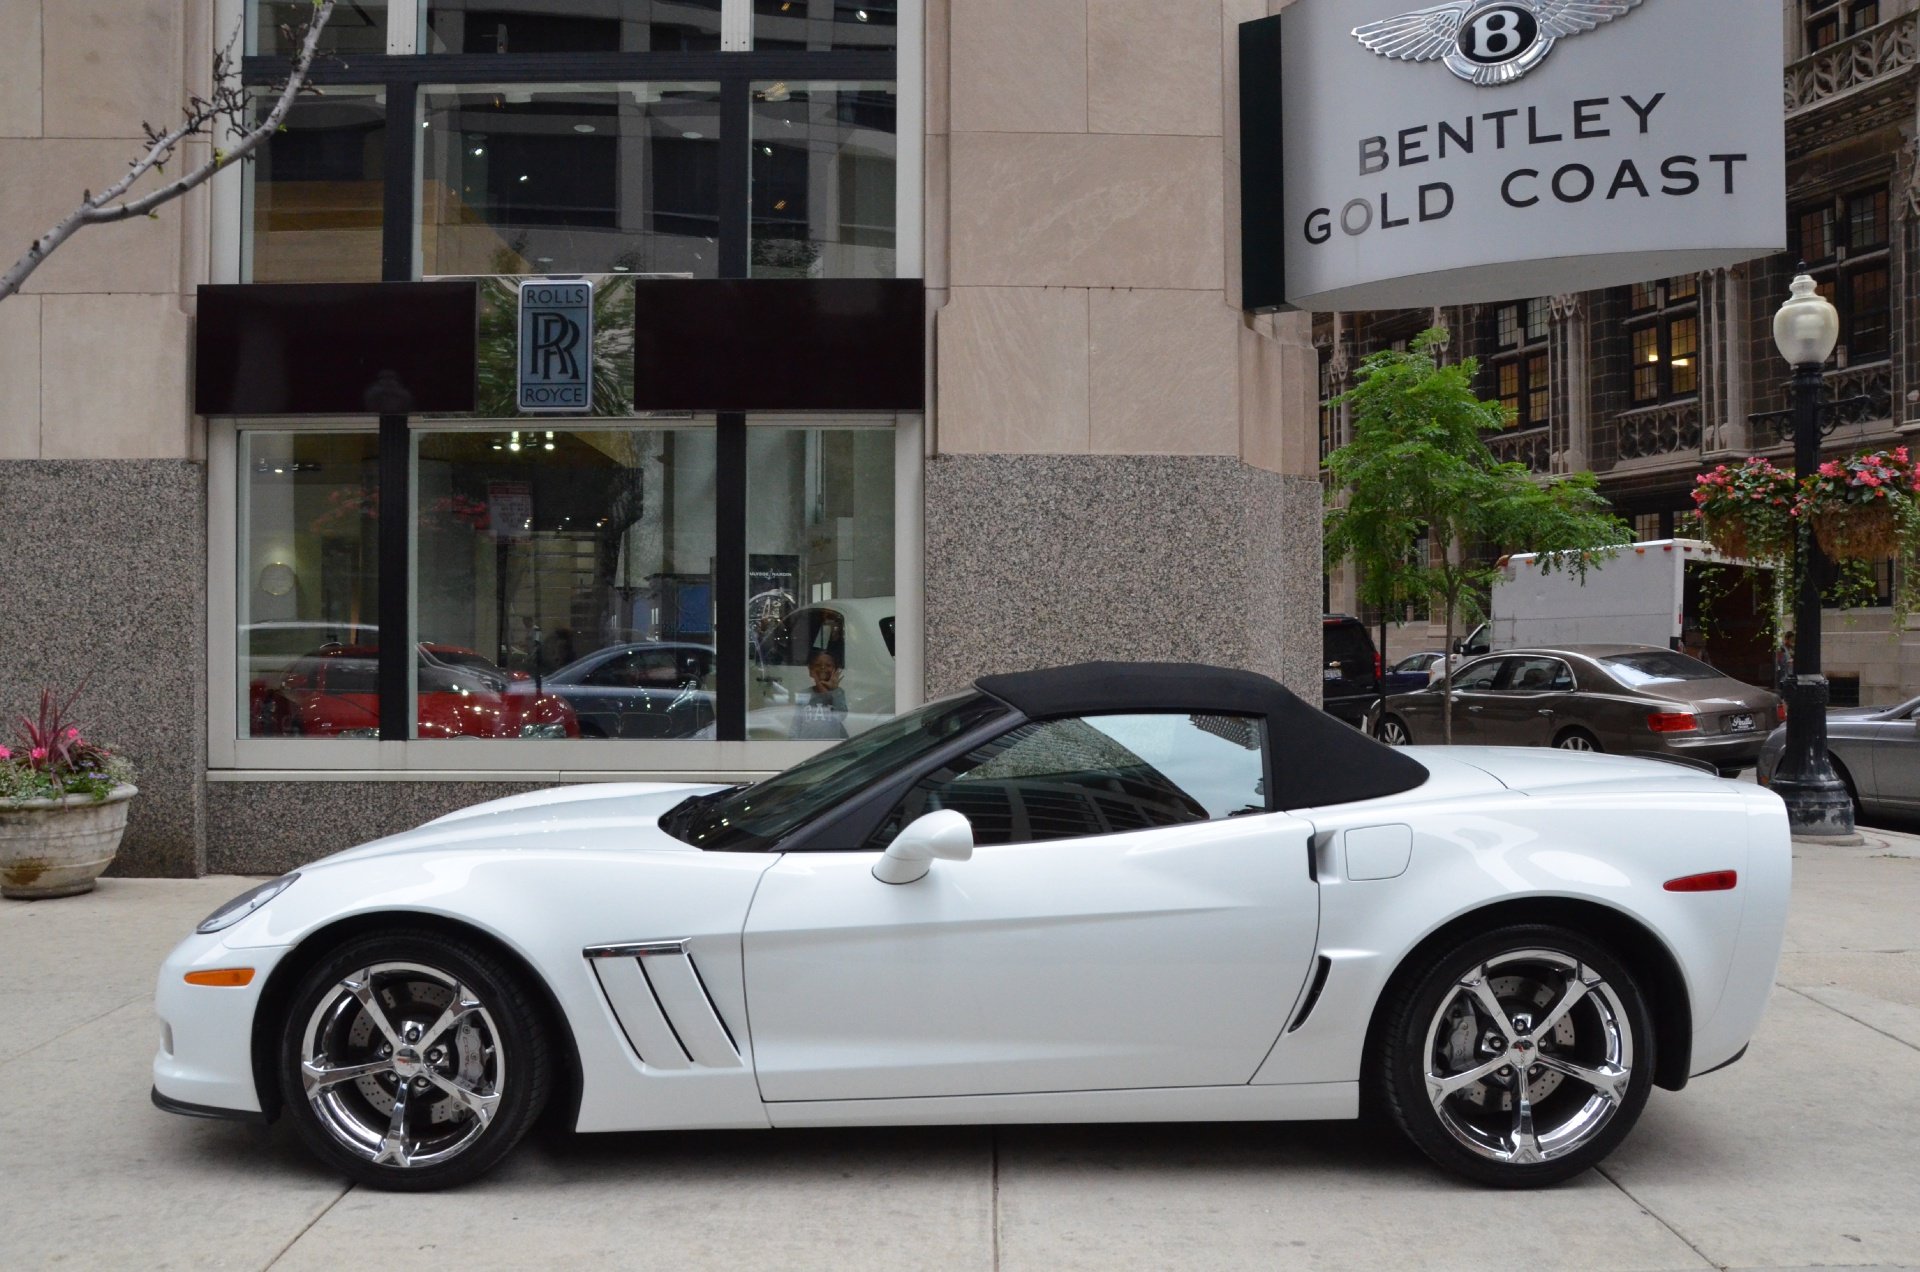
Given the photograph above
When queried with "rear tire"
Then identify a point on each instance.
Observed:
(1578, 740)
(413, 1061)
(1492, 1013)
(1393, 731)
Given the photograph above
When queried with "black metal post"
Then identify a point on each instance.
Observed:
(1816, 798)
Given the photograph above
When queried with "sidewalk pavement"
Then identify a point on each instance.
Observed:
(1805, 1154)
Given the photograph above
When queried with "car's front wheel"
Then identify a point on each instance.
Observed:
(1393, 731)
(1520, 1058)
(413, 1061)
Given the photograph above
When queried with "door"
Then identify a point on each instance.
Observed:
(1474, 691)
(1528, 704)
(1131, 918)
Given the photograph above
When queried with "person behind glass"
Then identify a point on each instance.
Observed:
(1783, 664)
(1693, 643)
(822, 711)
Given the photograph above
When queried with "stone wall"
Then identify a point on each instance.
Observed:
(103, 567)
(273, 827)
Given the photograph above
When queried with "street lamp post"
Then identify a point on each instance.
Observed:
(1806, 329)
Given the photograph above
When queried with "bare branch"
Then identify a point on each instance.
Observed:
(202, 116)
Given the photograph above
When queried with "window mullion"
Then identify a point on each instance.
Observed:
(731, 664)
(736, 176)
(736, 26)
(404, 20)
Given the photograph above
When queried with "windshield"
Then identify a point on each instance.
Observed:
(1657, 666)
(751, 818)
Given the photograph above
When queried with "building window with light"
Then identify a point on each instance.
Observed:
(1846, 242)
(1517, 365)
(1663, 332)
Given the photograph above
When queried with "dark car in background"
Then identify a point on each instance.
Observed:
(1622, 699)
(1413, 672)
(1351, 680)
(649, 689)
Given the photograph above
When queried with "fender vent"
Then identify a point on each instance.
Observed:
(663, 1006)
(1313, 993)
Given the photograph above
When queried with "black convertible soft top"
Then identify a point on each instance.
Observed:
(1317, 760)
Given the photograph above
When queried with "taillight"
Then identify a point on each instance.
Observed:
(1712, 881)
(1780, 712)
(1379, 668)
(1672, 722)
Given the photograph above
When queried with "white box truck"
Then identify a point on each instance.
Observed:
(1647, 594)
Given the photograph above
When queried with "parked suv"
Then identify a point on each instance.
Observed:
(1352, 676)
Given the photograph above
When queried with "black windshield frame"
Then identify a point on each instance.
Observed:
(771, 815)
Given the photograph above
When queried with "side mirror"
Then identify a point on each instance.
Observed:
(945, 836)
(1459, 646)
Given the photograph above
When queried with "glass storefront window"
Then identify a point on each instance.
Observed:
(565, 582)
(823, 180)
(570, 179)
(315, 196)
(276, 26)
(821, 26)
(572, 26)
(309, 584)
(820, 607)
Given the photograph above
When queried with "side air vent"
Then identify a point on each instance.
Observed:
(1308, 1003)
(663, 1006)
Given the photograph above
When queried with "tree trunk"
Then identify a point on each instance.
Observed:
(1446, 675)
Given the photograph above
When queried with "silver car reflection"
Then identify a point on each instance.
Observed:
(1876, 752)
(1623, 699)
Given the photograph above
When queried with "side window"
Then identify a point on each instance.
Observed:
(619, 672)
(1480, 676)
(1539, 675)
(1096, 775)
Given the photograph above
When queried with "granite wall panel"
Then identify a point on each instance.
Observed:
(1040, 560)
(273, 827)
(103, 567)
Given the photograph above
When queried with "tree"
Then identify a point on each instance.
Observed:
(1418, 466)
(229, 104)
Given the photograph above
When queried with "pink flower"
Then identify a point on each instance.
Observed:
(1830, 469)
(5, 754)
(73, 735)
(38, 753)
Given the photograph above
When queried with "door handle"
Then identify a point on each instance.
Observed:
(1545, 711)
(1474, 710)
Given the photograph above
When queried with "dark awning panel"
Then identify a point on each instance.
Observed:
(336, 348)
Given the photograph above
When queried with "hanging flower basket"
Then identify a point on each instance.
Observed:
(1858, 532)
(1746, 510)
(1862, 509)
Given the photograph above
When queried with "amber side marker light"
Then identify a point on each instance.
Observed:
(236, 977)
(1712, 881)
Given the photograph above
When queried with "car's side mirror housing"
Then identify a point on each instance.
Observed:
(944, 836)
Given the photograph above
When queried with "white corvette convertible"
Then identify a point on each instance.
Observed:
(1118, 892)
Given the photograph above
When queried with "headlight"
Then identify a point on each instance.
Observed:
(244, 904)
(543, 730)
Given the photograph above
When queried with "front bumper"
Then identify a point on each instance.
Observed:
(205, 1061)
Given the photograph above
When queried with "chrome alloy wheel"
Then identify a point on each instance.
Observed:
(1529, 1058)
(402, 1064)
(1576, 742)
(1393, 733)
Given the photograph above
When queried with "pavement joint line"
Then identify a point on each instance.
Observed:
(993, 1150)
(1657, 1217)
(122, 1006)
(308, 1227)
(1848, 1015)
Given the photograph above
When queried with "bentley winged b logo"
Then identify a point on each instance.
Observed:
(1488, 42)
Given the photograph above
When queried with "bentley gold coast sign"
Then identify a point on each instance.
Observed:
(1491, 149)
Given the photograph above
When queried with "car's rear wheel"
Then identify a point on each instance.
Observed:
(1393, 731)
(413, 1061)
(1520, 1058)
(1577, 740)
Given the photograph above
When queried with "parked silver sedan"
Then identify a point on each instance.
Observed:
(1623, 699)
(1876, 752)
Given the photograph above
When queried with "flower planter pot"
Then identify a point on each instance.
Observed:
(1733, 536)
(1858, 532)
(58, 848)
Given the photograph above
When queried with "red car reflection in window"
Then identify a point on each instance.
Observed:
(335, 692)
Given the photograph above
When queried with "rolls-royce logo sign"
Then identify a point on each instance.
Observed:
(1487, 42)
(556, 345)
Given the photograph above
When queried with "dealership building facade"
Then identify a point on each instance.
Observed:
(905, 334)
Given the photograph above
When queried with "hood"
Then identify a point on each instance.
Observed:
(622, 816)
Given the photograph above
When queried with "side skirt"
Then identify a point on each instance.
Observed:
(1297, 1102)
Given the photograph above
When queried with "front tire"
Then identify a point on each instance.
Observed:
(413, 1061)
(1393, 731)
(1577, 740)
(1519, 1059)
